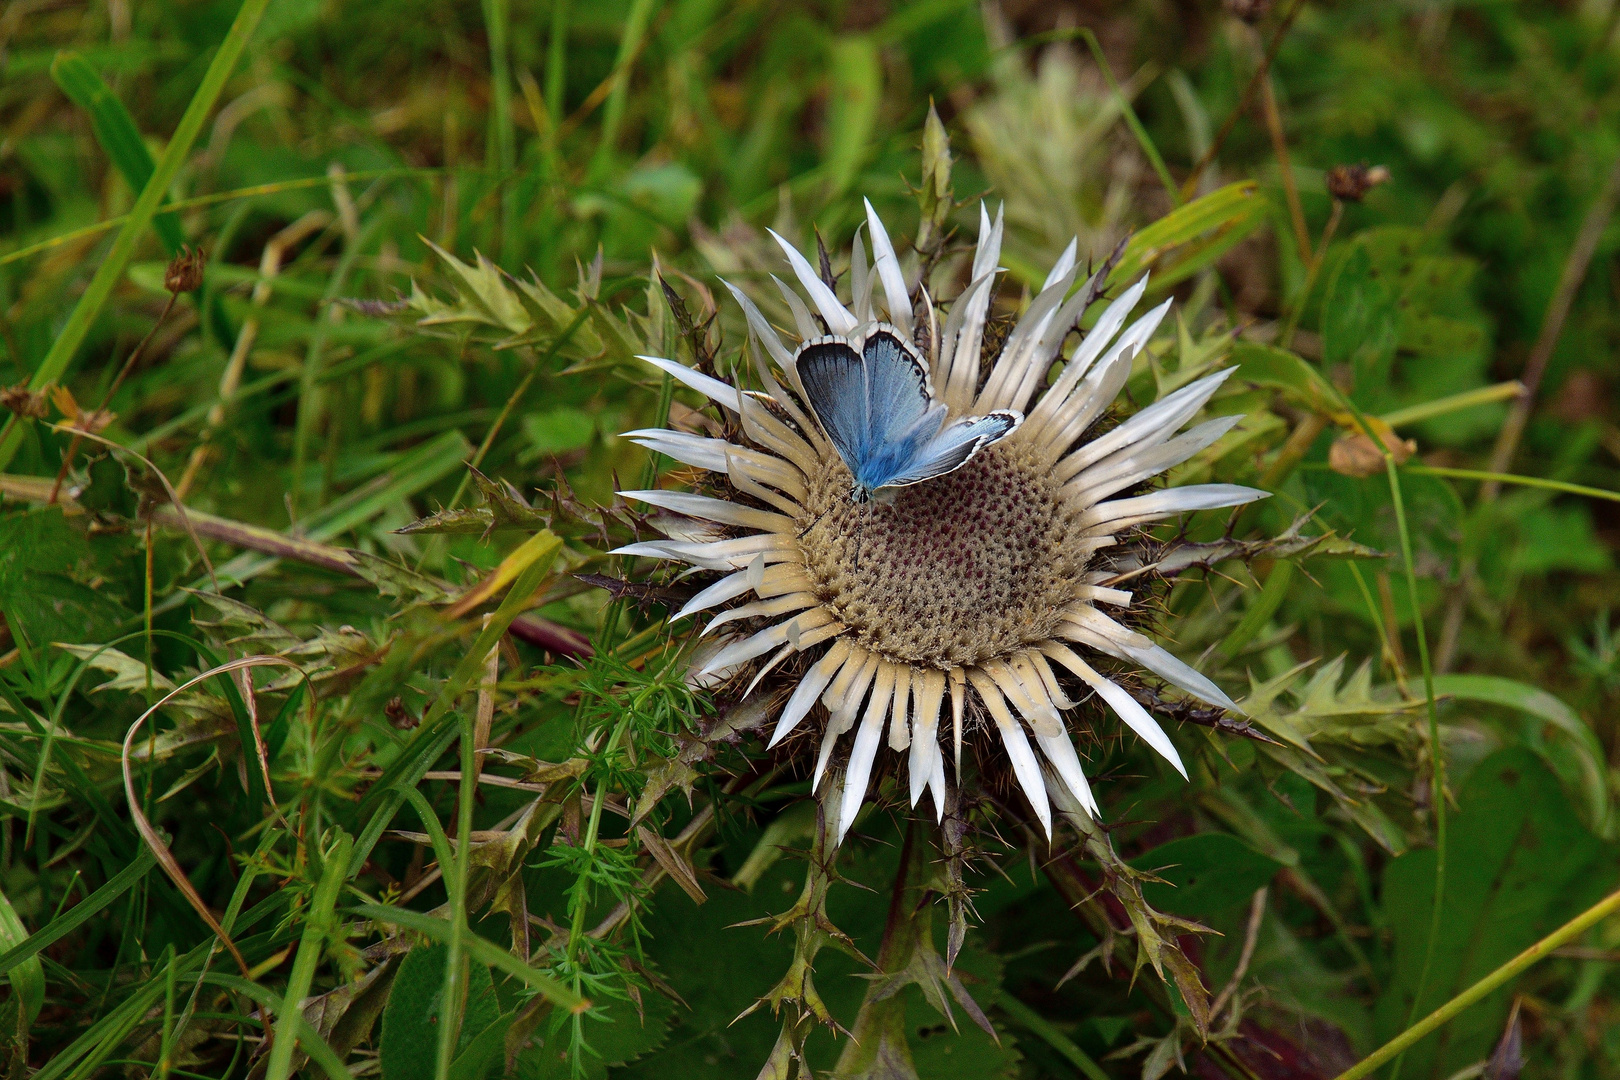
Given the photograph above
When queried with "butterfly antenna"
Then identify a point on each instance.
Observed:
(802, 532)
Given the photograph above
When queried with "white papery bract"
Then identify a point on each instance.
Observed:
(965, 606)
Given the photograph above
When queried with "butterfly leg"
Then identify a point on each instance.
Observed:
(860, 529)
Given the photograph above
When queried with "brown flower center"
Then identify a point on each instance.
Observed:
(954, 570)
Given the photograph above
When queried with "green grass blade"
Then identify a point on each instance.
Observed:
(1220, 208)
(199, 202)
(433, 736)
(480, 949)
(1437, 786)
(1036, 1024)
(27, 976)
(502, 143)
(455, 960)
(1260, 612)
(79, 914)
(116, 132)
(430, 822)
(290, 1017)
(311, 395)
(1143, 140)
(1481, 989)
(630, 41)
(309, 1038)
(1437, 782)
(84, 313)
(855, 73)
(1513, 478)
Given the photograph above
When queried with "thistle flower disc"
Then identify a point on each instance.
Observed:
(973, 589)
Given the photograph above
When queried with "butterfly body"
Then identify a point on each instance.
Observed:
(870, 392)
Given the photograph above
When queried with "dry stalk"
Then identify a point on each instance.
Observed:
(269, 267)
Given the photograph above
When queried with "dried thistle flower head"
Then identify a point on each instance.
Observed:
(26, 403)
(1350, 183)
(969, 605)
(185, 271)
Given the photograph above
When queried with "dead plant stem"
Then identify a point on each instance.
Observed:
(1279, 146)
(1190, 185)
(91, 418)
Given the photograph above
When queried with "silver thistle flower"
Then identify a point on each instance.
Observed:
(972, 585)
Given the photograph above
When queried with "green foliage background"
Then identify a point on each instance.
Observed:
(428, 232)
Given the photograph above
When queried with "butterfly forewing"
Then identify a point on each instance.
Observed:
(897, 386)
(834, 379)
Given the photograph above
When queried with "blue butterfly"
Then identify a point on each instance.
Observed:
(870, 392)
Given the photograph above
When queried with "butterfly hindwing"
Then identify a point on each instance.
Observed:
(955, 446)
(833, 374)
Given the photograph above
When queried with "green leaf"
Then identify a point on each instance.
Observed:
(1518, 863)
(319, 927)
(57, 608)
(1279, 369)
(1543, 705)
(557, 430)
(1361, 510)
(108, 491)
(1216, 222)
(479, 1052)
(127, 672)
(1360, 326)
(410, 1022)
(616, 1031)
(28, 976)
(1557, 537)
(115, 131)
(37, 542)
(1205, 875)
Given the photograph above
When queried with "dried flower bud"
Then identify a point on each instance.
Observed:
(934, 195)
(1350, 183)
(75, 418)
(398, 715)
(1356, 455)
(1250, 11)
(185, 272)
(29, 405)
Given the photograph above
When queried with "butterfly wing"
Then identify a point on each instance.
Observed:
(833, 375)
(955, 446)
(903, 416)
(897, 385)
(875, 405)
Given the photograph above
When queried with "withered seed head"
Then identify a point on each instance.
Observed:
(25, 403)
(185, 272)
(1350, 183)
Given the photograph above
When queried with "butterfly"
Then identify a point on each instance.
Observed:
(870, 393)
